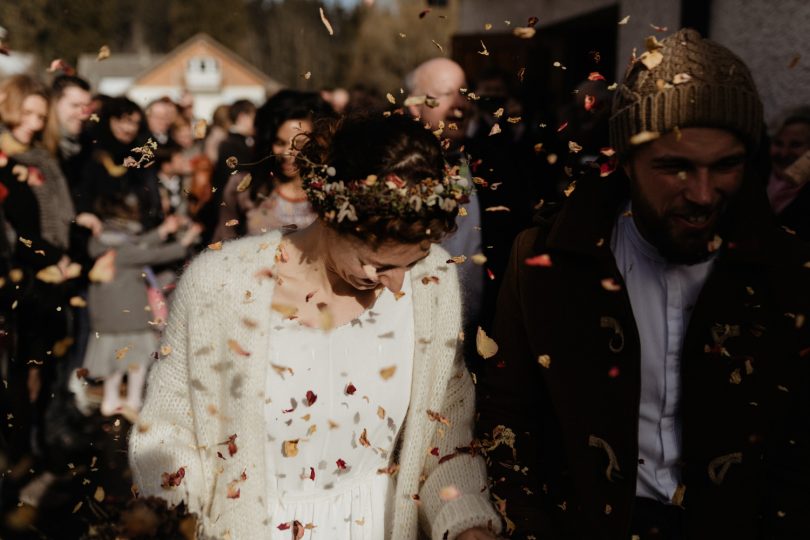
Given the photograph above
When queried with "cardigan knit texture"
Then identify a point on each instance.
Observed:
(205, 388)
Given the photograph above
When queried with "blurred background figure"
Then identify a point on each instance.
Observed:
(217, 132)
(39, 215)
(124, 331)
(70, 101)
(275, 196)
(121, 129)
(160, 115)
(337, 98)
(239, 144)
(790, 202)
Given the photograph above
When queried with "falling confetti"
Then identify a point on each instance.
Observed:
(326, 23)
(103, 53)
(485, 345)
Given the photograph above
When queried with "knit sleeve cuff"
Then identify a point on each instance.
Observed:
(466, 512)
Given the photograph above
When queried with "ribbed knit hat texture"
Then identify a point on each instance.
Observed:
(685, 81)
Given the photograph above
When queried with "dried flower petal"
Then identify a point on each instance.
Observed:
(543, 260)
(171, 480)
(235, 347)
(103, 53)
(310, 398)
(290, 448)
(484, 344)
(326, 23)
(244, 183)
(449, 493)
(436, 417)
(644, 137)
(388, 372)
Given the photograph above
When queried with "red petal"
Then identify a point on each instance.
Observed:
(312, 473)
(283, 526)
(311, 398)
(595, 76)
(350, 389)
(341, 464)
(562, 126)
(539, 260)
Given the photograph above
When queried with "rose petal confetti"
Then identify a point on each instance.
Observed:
(326, 23)
(544, 360)
(310, 398)
(244, 183)
(235, 347)
(595, 76)
(388, 372)
(543, 260)
(350, 389)
(436, 417)
(644, 137)
(609, 284)
(479, 259)
(171, 480)
(103, 53)
(484, 52)
(449, 493)
(290, 448)
(363, 440)
(794, 61)
(484, 344)
(624, 20)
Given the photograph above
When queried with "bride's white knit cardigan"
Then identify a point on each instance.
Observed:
(203, 389)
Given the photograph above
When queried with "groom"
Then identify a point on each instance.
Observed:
(652, 373)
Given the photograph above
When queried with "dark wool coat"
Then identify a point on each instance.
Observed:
(744, 379)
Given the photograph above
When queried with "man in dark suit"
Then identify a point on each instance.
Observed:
(651, 379)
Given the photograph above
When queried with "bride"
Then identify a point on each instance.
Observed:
(312, 385)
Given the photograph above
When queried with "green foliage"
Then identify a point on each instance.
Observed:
(284, 38)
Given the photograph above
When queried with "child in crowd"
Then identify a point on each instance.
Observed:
(123, 337)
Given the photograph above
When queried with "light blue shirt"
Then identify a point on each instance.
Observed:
(662, 296)
(466, 240)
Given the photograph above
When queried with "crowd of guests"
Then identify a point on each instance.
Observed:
(103, 205)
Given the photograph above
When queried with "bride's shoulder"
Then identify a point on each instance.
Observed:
(226, 261)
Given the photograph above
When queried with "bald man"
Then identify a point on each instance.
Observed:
(441, 79)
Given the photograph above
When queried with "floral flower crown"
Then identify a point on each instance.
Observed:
(389, 197)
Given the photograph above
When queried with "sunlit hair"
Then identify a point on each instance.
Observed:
(283, 106)
(381, 179)
(13, 92)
